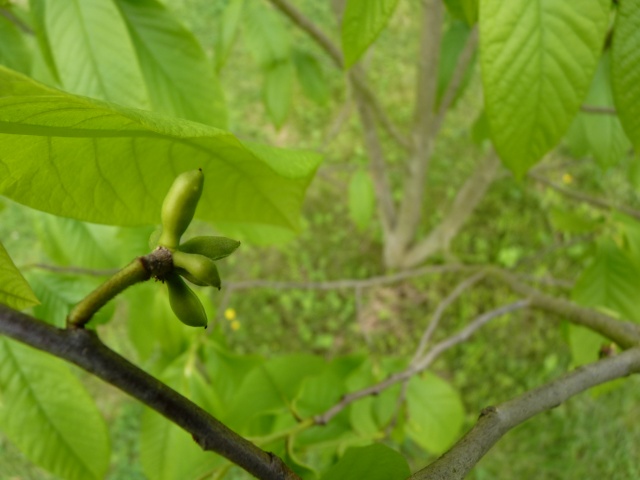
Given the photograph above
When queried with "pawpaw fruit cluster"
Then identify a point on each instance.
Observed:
(193, 260)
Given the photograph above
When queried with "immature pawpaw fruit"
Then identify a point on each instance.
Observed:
(185, 303)
(196, 268)
(215, 248)
(179, 207)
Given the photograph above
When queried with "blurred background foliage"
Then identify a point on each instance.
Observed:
(289, 94)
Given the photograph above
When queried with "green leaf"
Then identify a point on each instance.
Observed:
(152, 326)
(466, 10)
(13, 48)
(271, 387)
(49, 415)
(59, 293)
(268, 40)
(166, 451)
(72, 243)
(318, 393)
(362, 22)
(362, 419)
(227, 371)
(278, 91)
(362, 200)
(435, 413)
(314, 84)
(14, 289)
(228, 29)
(611, 281)
(179, 77)
(538, 59)
(98, 162)
(570, 221)
(92, 50)
(585, 344)
(375, 462)
(599, 134)
(625, 58)
(453, 43)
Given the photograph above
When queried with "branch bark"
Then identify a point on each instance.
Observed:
(422, 363)
(423, 131)
(84, 349)
(465, 202)
(588, 199)
(625, 333)
(494, 422)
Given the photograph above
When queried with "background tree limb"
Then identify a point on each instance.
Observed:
(494, 422)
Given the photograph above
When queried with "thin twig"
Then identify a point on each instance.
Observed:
(625, 333)
(494, 422)
(358, 77)
(422, 363)
(582, 197)
(9, 15)
(442, 306)
(350, 283)
(377, 165)
(598, 110)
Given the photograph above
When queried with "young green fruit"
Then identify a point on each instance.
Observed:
(179, 207)
(215, 248)
(185, 303)
(196, 268)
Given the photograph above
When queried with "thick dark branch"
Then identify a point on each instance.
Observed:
(624, 333)
(582, 197)
(84, 349)
(494, 422)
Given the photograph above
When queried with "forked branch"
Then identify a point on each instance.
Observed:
(494, 422)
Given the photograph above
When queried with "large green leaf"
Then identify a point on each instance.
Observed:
(362, 22)
(92, 50)
(14, 290)
(49, 415)
(611, 281)
(435, 412)
(271, 387)
(598, 134)
(375, 462)
(538, 58)
(625, 71)
(178, 75)
(13, 49)
(82, 158)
